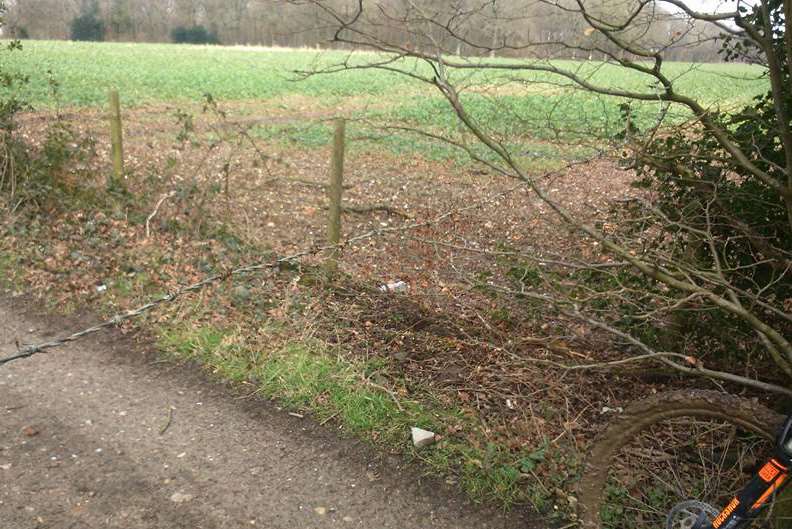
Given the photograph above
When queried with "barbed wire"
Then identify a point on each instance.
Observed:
(116, 320)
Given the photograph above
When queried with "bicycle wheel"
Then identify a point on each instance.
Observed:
(675, 447)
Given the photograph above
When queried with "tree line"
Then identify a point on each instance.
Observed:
(547, 27)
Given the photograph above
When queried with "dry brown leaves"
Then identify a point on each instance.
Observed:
(473, 351)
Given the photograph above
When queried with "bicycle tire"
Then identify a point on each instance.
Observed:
(642, 415)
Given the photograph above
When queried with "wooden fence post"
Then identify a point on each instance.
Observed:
(334, 193)
(116, 139)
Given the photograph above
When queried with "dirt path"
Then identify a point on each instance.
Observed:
(80, 447)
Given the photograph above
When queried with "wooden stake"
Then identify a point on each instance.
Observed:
(116, 139)
(334, 192)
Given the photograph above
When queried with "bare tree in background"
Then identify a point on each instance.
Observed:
(693, 273)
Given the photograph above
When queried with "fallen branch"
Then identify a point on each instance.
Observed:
(303, 181)
(362, 210)
(156, 210)
(168, 422)
(386, 390)
(676, 361)
(328, 419)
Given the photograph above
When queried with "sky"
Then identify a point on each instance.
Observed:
(716, 6)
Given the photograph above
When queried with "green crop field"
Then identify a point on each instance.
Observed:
(164, 72)
(167, 72)
(531, 105)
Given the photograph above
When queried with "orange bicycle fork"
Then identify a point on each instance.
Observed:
(766, 484)
(747, 505)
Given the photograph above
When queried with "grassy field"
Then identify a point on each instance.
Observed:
(535, 104)
(165, 72)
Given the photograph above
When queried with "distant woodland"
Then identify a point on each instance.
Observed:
(541, 28)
